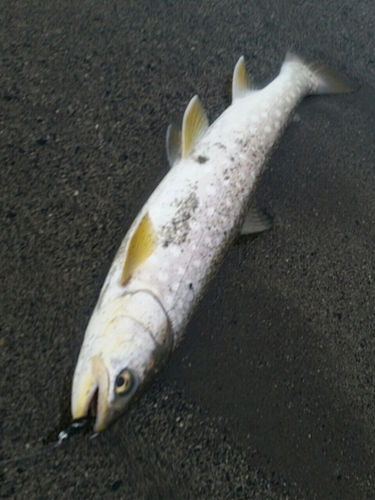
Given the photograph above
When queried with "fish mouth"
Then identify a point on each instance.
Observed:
(90, 395)
(91, 400)
(89, 416)
(98, 402)
(93, 405)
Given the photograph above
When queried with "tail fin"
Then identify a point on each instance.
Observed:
(327, 81)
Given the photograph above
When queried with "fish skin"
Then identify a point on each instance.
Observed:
(196, 212)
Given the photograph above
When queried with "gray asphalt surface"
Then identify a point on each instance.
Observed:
(271, 395)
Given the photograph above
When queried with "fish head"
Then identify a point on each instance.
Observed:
(120, 357)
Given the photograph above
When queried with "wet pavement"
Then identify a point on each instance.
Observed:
(271, 394)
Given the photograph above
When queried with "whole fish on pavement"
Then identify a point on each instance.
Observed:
(176, 243)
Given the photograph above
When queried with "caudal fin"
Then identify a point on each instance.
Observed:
(327, 80)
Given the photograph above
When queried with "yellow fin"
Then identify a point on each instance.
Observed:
(194, 125)
(241, 83)
(141, 246)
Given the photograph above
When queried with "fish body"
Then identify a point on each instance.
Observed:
(177, 241)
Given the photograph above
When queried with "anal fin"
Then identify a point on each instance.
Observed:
(256, 221)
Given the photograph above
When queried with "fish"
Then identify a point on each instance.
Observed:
(180, 236)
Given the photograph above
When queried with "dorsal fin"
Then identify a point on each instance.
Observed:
(173, 143)
(194, 125)
(142, 244)
(241, 83)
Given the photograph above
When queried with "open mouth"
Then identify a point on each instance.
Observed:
(98, 406)
(90, 396)
(93, 406)
(85, 424)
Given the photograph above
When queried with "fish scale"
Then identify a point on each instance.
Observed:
(235, 152)
(177, 241)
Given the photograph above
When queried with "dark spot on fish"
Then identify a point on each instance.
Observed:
(177, 230)
(202, 159)
(231, 158)
(219, 145)
(191, 286)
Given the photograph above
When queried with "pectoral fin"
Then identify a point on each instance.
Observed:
(142, 244)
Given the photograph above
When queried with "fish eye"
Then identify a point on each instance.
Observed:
(124, 382)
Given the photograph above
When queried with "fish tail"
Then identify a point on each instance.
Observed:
(324, 79)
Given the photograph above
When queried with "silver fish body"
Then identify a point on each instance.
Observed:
(177, 241)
